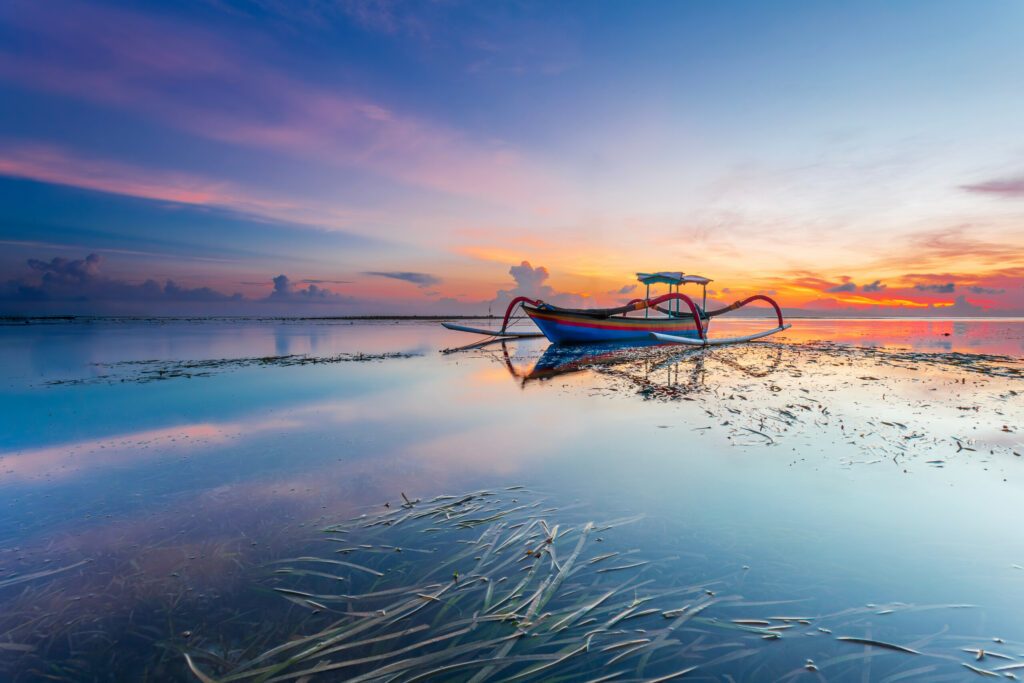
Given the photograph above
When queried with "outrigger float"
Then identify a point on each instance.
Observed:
(677, 325)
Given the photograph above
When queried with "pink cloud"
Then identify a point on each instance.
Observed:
(953, 246)
(52, 164)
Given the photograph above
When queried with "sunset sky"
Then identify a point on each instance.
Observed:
(441, 157)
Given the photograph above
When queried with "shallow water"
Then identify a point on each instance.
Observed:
(851, 472)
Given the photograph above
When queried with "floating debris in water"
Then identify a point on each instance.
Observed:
(878, 643)
(981, 672)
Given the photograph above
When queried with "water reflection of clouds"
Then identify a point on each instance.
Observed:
(134, 449)
(501, 448)
(54, 350)
(203, 535)
(128, 448)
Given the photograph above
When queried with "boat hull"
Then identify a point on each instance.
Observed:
(572, 328)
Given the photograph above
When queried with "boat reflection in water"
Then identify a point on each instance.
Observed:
(655, 369)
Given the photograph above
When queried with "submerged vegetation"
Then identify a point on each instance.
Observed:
(142, 371)
(501, 585)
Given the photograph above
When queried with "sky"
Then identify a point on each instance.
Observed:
(338, 157)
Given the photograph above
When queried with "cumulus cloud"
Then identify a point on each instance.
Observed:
(627, 289)
(845, 287)
(173, 292)
(875, 286)
(62, 271)
(419, 279)
(938, 289)
(81, 280)
(80, 284)
(284, 290)
(531, 282)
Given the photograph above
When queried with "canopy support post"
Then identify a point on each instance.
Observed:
(682, 297)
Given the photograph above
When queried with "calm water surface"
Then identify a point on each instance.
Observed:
(862, 475)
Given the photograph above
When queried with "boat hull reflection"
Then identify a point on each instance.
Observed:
(652, 367)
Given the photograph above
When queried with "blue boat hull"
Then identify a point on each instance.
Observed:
(572, 328)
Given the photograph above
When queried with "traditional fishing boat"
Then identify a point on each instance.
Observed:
(675, 324)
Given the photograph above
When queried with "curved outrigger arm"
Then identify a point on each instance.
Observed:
(704, 341)
(741, 304)
(503, 332)
(694, 310)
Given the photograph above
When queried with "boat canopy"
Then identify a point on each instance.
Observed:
(671, 278)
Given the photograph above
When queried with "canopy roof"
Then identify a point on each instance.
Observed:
(670, 278)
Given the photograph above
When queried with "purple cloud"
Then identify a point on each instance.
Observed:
(284, 290)
(419, 279)
(1006, 187)
(62, 271)
(81, 280)
(938, 289)
(80, 284)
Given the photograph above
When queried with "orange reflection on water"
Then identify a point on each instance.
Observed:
(970, 336)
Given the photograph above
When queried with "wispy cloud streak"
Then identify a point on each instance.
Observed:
(1005, 187)
(418, 279)
(140, 64)
(53, 164)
